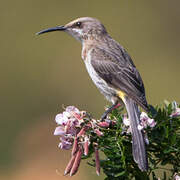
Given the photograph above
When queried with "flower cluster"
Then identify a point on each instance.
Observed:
(75, 129)
(68, 122)
(145, 121)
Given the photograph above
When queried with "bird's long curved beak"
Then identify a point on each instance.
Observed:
(58, 28)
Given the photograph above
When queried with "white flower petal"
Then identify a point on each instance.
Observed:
(72, 109)
(59, 118)
(126, 122)
(140, 127)
(59, 131)
(150, 121)
(143, 115)
(67, 114)
(153, 124)
(65, 145)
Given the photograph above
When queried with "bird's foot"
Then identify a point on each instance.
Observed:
(103, 117)
(110, 109)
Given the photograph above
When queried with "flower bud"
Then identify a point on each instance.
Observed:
(81, 132)
(76, 162)
(98, 132)
(103, 124)
(86, 146)
(75, 146)
(97, 159)
(76, 115)
(70, 164)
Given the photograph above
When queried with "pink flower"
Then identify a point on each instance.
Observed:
(69, 125)
(104, 124)
(151, 122)
(98, 132)
(176, 176)
(65, 143)
(71, 109)
(86, 145)
(146, 121)
(176, 113)
(61, 119)
(59, 131)
(75, 129)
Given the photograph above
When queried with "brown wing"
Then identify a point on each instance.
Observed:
(119, 73)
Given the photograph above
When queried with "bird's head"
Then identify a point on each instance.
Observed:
(82, 28)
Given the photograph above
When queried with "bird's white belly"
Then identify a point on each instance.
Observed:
(104, 88)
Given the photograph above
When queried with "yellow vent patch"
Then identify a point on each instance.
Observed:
(122, 95)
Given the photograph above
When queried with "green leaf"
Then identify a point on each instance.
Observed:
(120, 174)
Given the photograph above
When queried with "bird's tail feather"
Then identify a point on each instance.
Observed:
(138, 143)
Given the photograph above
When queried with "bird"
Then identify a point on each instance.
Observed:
(114, 73)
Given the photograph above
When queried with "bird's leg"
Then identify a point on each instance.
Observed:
(114, 106)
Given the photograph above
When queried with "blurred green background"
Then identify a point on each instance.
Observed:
(40, 73)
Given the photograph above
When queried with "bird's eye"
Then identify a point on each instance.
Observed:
(78, 24)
